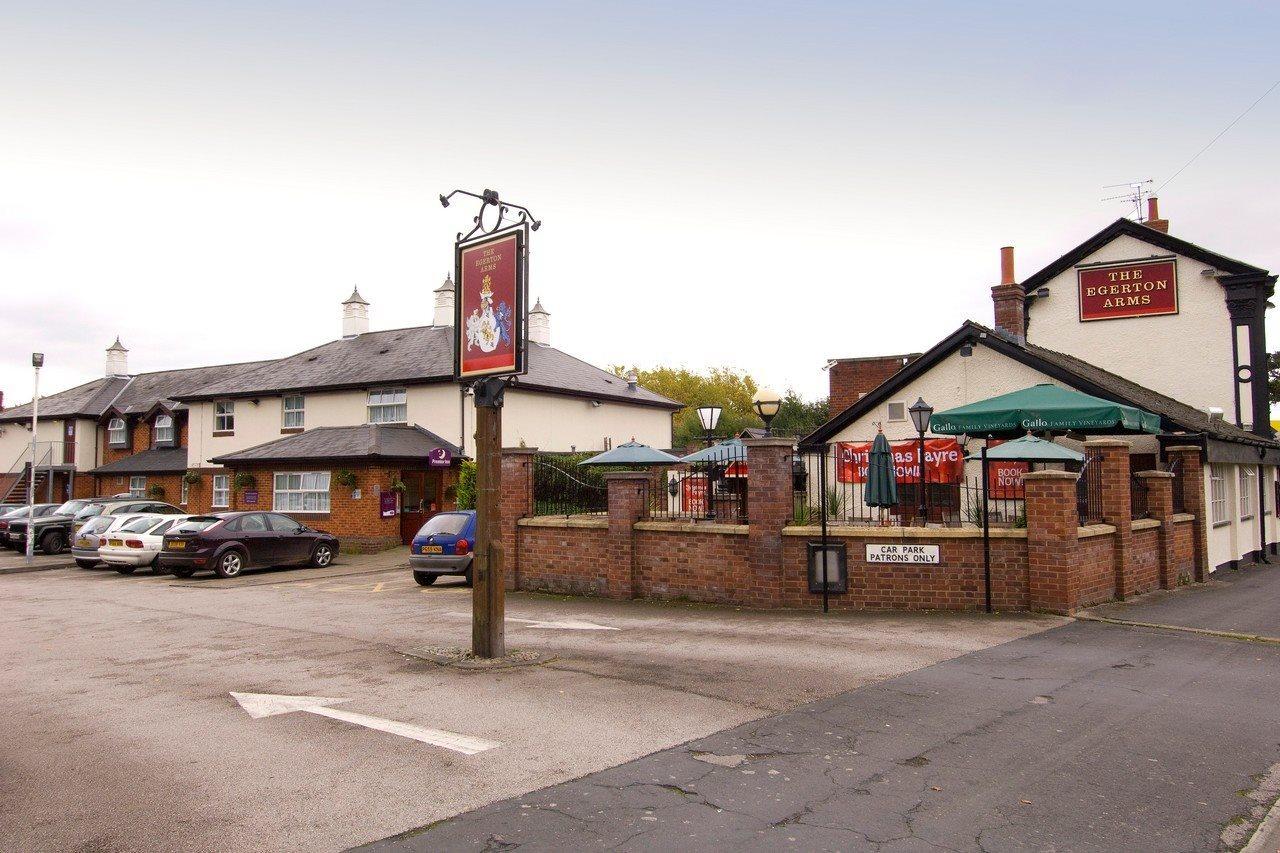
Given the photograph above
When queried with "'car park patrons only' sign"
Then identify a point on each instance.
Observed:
(490, 313)
(1128, 289)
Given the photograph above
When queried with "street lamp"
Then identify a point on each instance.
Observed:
(921, 412)
(37, 362)
(709, 416)
(766, 402)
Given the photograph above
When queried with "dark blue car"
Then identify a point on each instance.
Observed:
(444, 546)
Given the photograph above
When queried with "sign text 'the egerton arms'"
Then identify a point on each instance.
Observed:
(1128, 289)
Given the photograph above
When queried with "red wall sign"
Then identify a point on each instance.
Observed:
(944, 463)
(1004, 476)
(1128, 289)
(490, 306)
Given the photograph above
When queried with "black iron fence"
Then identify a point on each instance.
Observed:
(1138, 499)
(1089, 491)
(1179, 501)
(562, 487)
(711, 489)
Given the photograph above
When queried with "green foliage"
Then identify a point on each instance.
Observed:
(1273, 377)
(799, 417)
(191, 478)
(346, 478)
(244, 480)
(466, 490)
(155, 491)
(398, 485)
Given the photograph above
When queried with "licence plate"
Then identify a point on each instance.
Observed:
(83, 541)
(177, 546)
(432, 549)
(115, 543)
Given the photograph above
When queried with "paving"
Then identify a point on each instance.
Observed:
(1089, 737)
(121, 732)
(15, 562)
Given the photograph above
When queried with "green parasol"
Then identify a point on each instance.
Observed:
(1030, 449)
(1044, 407)
(882, 486)
(632, 453)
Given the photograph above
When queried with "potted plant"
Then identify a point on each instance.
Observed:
(155, 491)
(397, 485)
(346, 477)
(244, 480)
(191, 478)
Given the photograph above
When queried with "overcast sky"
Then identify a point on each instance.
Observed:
(763, 186)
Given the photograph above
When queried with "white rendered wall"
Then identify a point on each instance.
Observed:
(1185, 355)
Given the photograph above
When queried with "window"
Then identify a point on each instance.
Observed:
(186, 490)
(897, 411)
(1217, 494)
(221, 490)
(224, 416)
(282, 523)
(252, 524)
(1247, 489)
(388, 407)
(294, 412)
(137, 487)
(302, 492)
(164, 429)
(116, 433)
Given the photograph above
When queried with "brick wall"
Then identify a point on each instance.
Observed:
(1096, 575)
(674, 562)
(848, 379)
(1184, 550)
(1144, 559)
(565, 556)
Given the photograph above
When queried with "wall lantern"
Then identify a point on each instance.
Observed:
(766, 402)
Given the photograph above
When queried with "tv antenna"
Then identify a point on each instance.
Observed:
(1138, 191)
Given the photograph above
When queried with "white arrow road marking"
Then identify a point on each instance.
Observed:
(260, 705)
(561, 624)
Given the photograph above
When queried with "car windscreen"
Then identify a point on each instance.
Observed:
(89, 511)
(448, 523)
(96, 525)
(20, 512)
(70, 508)
(142, 524)
(194, 525)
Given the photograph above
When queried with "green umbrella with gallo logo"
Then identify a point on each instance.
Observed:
(1044, 408)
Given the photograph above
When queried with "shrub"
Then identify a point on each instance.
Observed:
(346, 478)
(155, 491)
(466, 490)
(191, 478)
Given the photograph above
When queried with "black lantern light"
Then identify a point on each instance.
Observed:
(766, 402)
(709, 416)
(921, 412)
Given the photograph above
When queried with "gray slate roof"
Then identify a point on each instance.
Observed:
(163, 460)
(367, 442)
(166, 386)
(88, 400)
(413, 355)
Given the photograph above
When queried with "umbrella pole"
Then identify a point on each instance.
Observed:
(822, 506)
(986, 528)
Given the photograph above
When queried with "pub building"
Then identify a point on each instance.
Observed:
(1133, 315)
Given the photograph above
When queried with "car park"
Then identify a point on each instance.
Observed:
(136, 542)
(229, 543)
(51, 532)
(92, 534)
(21, 512)
(125, 505)
(443, 546)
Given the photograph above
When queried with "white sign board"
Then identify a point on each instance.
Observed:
(902, 554)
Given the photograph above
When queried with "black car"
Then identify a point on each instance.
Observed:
(9, 514)
(230, 542)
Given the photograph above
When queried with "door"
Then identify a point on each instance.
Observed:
(291, 546)
(421, 500)
(69, 444)
(259, 540)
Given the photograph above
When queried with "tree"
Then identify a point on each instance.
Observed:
(799, 417)
(1273, 377)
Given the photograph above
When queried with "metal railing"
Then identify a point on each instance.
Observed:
(714, 489)
(1179, 500)
(562, 487)
(1138, 498)
(1089, 492)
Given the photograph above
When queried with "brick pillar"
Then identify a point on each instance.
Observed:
(515, 503)
(628, 503)
(1191, 474)
(1160, 505)
(1117, 510)
(1052, 540)
(770, 496)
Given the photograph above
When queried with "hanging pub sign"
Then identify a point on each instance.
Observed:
(943, 459)
(1128, 289)
(489, 313)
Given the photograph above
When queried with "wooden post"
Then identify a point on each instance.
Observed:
(488, 592)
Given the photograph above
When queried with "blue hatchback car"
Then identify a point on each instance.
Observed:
(443, 546)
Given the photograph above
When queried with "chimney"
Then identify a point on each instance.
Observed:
(1153, 216)
(540, 325)
(633, 382)
(444, 304)
(849, 379)
(117, 359)
(1010, 301)
(355, 315)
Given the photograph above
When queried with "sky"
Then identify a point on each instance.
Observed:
(753, 185)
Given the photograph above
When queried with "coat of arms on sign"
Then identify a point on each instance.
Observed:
(487, 326)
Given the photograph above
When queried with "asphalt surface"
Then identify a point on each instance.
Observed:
(120, 732)
(1089, 737)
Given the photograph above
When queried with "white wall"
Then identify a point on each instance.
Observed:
(1185, 355)
(549, 422)
(15, 443)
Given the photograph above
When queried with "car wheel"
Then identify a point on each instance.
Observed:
(125, 570)
(322, 556)
(156, 568)
(183, 572)
(467, 576)
(86, 564)
(53, 542)
(230, 564)
(424, 579)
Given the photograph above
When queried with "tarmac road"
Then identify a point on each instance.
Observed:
(120, 733)
(1088, 737)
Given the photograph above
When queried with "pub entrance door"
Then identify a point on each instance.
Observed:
(423, 494)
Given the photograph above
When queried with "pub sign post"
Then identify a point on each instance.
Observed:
(490, 347)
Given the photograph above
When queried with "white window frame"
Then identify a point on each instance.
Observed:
(163, 429)
(293, 417)
(297, 492)
(224, 416)
(1247, 488)
(186, 492)
(137, 486)
(114, 426)
(1217, 495)
(221, 486)
(388, 406)
(888, 411)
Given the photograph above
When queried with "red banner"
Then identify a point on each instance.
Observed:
(694, 496)
(1128, 290)
(488, 320)
(944, 463)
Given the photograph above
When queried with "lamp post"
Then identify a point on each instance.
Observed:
(709, 416)
(921, 412)
(766, 402)
(37, 362)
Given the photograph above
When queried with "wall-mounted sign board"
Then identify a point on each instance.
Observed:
(1128, 289)
(903, 553)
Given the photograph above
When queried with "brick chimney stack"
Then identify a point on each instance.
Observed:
(850, 378)
(1010, 301)
(1153, 216)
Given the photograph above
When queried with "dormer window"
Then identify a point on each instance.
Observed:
(164, 430)
(116, 433)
